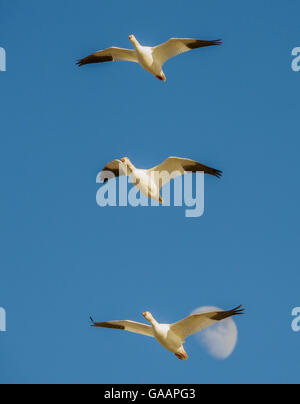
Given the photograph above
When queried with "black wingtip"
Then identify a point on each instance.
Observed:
(219, 174)
(222, 315)
(218, 42)
(199, 43)
(238, 310)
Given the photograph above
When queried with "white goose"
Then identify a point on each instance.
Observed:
(151, 59)
(149, 182)
(172, 336)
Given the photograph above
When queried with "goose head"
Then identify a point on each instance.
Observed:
(128, 164)
(148, 316)
(125, 160)
(133, 40)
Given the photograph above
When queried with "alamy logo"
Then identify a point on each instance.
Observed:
(2, 60)
(2, 320)
(296, 60)
(296, 321)
(188, 191)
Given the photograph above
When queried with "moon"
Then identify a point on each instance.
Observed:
(220, 339)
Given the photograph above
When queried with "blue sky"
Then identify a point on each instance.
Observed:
(63, 258)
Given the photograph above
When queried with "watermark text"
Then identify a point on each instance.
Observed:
(296, 321)
(2, 60)
(2, 320)
(188, 192)
(296, 59)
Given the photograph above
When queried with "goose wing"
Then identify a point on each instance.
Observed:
(198, 322)
(113, 169)
(131, 326)
(175, 166)
(110, 55)
(176, 46)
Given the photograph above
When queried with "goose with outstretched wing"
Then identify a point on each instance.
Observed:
(171, 336)
(150, 58)
(149, 182)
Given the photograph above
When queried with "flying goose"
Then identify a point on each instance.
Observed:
(149, 182)
(151, 59)
(172, 336)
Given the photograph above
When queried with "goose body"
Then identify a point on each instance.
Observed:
(146, 59)
(151, 59)
(171, 336)
(169, 340)
(145, 184)
(149, 182)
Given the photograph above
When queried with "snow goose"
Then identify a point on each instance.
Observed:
(151, 59)
(172, 336)
(149, 182)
